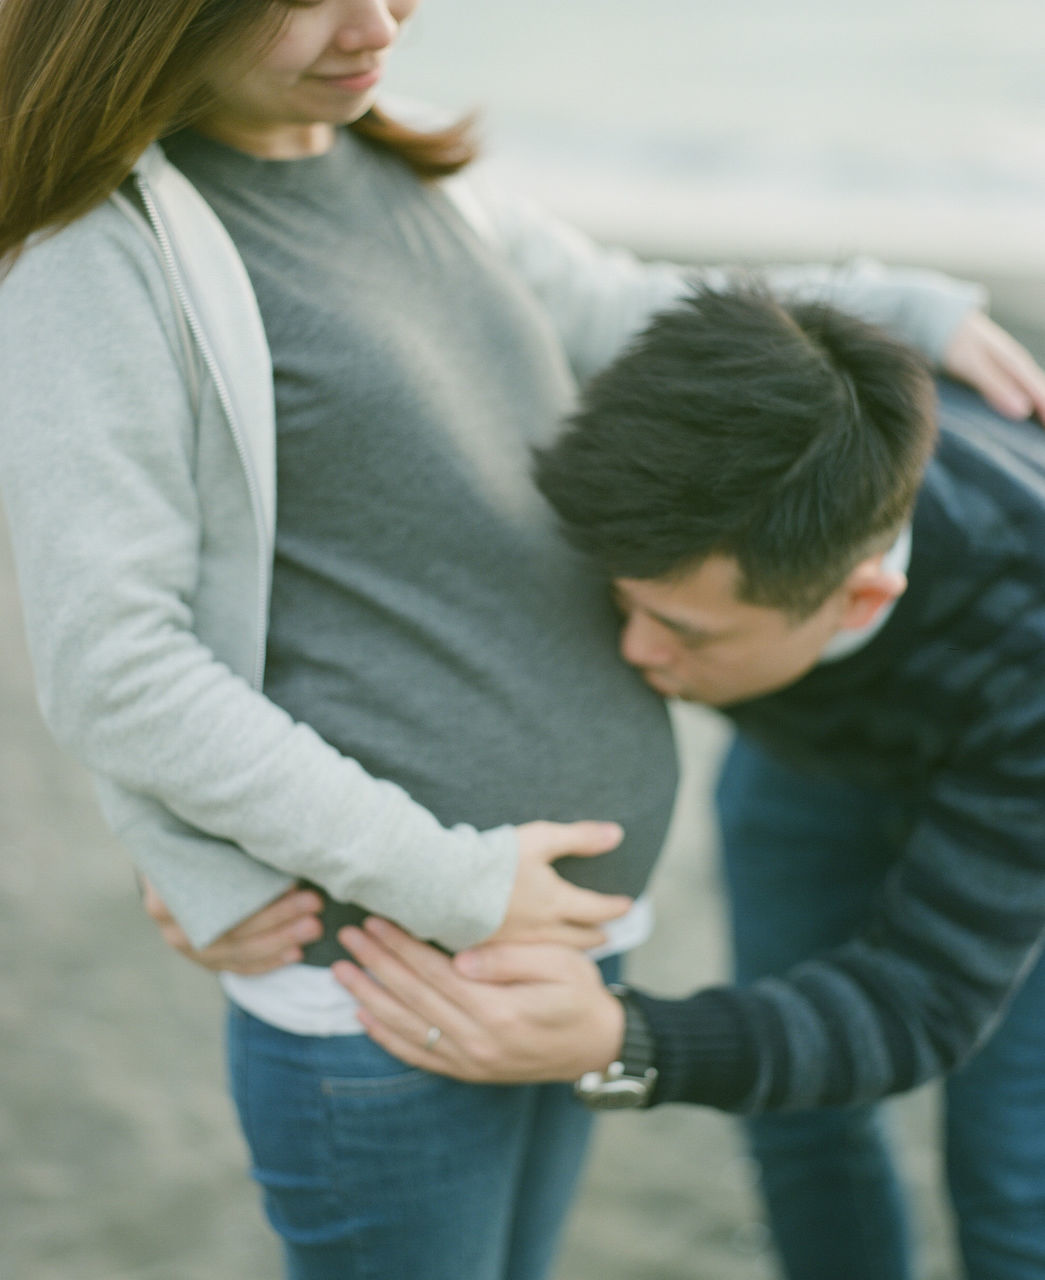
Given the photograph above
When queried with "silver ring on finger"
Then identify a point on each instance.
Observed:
(432, 1038)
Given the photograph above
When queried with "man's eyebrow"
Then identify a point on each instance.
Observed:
(684, 629)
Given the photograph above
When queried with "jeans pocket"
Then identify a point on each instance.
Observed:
(409, 1080)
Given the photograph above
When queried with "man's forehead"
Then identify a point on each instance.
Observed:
(710, 582)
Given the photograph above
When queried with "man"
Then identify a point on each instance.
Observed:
(790, 542)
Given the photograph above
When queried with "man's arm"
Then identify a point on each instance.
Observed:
(909, 998)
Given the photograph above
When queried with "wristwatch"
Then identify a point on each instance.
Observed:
(629, 1081)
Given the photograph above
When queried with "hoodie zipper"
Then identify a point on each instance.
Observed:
(261, 530)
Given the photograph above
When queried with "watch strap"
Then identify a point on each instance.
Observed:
(637, 1048)
(630, 1079)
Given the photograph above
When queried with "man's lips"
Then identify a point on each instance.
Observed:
(658, 680)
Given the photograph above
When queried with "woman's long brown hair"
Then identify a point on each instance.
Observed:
(86, 85)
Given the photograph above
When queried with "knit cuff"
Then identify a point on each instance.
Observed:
(704, 1050)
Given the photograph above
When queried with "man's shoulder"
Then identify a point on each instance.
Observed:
(979, 448)
(982, 505)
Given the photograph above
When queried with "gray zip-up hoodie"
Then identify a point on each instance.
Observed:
(137, 447)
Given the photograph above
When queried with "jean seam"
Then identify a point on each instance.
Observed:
(376, 1086)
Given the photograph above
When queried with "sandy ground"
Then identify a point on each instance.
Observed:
(121, 1159)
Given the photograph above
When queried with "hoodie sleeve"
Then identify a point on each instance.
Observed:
(98, 457)
(599, 298)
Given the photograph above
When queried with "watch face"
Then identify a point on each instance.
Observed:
(605, 1092)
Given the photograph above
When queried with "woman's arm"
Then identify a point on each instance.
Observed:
(99, 461)
(599, 298)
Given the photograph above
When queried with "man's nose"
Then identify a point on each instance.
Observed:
(643, 642)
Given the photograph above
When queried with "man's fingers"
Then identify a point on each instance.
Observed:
(424, 959)
(440, 1061)
(393, 1026)
(382, 1003)
(523, 962)
(578, 936)
(425, 985)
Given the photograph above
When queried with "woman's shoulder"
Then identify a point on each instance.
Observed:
(110, 241)
(103, 268)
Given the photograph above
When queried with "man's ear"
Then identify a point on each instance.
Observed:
(869, 588)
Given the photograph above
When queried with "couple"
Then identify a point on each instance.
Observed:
(791, 538)
(232, 273)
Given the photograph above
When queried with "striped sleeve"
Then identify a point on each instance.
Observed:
(958, 922)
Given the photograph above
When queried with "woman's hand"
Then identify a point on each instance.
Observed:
(267, 940)
(543, 907)
(498, 1014)
(992, 362)
(546, 908)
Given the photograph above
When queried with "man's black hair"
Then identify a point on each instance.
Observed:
(788, 436)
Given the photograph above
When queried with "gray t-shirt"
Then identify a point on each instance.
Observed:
(427, 619)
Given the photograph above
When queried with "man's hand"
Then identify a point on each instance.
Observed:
(546, 908)
(498, 1013)
(1007, 376)
(267, 940)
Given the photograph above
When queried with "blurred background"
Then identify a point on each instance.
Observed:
(914, 131)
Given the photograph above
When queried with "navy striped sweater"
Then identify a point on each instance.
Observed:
(945, 709)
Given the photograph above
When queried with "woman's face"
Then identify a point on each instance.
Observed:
(322, 70)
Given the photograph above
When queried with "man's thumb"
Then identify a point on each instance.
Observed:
(508, 962)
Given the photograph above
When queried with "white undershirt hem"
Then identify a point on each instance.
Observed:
(309, 1001)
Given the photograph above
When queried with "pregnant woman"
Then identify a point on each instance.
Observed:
(231, 274)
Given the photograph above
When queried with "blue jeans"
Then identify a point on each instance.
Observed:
(803, 858)
(371, 1170)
